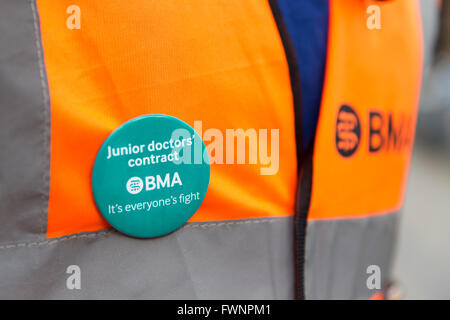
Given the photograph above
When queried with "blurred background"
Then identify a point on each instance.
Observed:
(422, 264)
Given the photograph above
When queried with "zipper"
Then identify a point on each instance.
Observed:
(304, 157)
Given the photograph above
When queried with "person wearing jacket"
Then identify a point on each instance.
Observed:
(331, 86)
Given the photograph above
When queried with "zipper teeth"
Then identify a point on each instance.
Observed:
(305, 174)
(303, 199)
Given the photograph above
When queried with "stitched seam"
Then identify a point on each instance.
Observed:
(45, 116)
(110, 231)
(54, 241)
(208, 225)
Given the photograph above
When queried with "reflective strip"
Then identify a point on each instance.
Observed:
(339, 251)
(24, 125)
(240, 259)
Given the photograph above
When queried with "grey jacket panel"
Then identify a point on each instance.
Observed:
(24, 125)
(339, 252)
(244, 259)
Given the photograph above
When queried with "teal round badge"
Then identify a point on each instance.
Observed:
(150, 176)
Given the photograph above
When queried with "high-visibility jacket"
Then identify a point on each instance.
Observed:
(314, 228)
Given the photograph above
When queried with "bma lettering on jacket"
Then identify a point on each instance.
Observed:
(386, 131)
(389, 131)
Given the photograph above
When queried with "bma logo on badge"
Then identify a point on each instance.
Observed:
(348, 131)
(135, 185)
